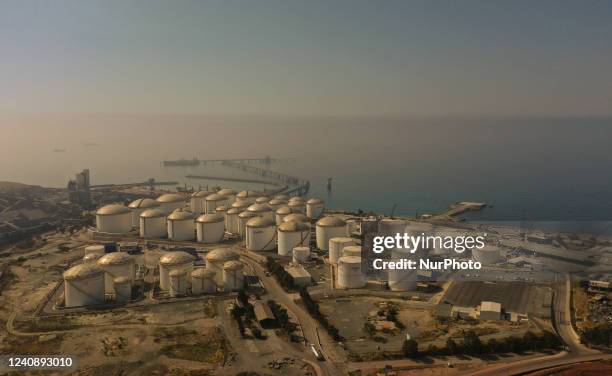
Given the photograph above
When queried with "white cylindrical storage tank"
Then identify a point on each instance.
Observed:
(402, 279)
(91, 258)
(114, 218)
(153, 224)
(181, 225)
(486, 255)
(260, 234)
(390, 227)
(222, 211)
(327, 228)
(203, 281)
(336, 245)
(139, 206)
(123, 289)
(297, 206)
(262, 210)
(171, 201)
(262, 200)
(97, 249)
(243, 205)
(247, 197)
(83, 285)
(300, 254)
(444, 234)
(420, 229)
(231, 220)
(229, 194)
(351, 251)
(281, 213)
(233, 276)
(215, 260)
(170, 261)
(349, 273)
(116, 264)
(213, 201)
(210, 228)
(178, 282)
(292, 234)
(314, 208)
(276, 203)
(243, 218)
(296, 217)
(197, 202)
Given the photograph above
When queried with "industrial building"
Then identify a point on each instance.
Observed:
(299, 275)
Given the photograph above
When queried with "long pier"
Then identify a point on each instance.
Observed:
(302, 186)
(196, 162)
(221, 178)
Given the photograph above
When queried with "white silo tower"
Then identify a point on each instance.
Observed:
(262, 210)
(231, 221)
(351, 251)
(197, 202)
(327, 228)
(213, 201)
(210, 228)
(281, 213)
(91, 258)
(402, 279)
(296, 217)
(243, 218)
(292, 234)
(203, 281)
(276, 203)
(171, 201)
(297, 206)
(153, 224)
(300, 254)
(215, 260)
(233, 276)
(336, 245)
(314, 208)
(260, 234)
(140, 205)
(176, 260)
(178, 282)
(262, 200)
(350, 275)
(229, 194)
(181, 225)
(83, 285)
(487, 255)
(114, 218)
(116, 264)
(123, 289)
(97, 249)
(247, 196)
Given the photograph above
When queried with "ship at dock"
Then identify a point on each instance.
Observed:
(183, 162)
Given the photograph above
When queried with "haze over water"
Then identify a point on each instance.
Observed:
(556, 169)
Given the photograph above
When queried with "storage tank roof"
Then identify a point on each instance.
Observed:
(314, 201)
(296, 217)
(222, 208)
(227, 192)
(222, 254)
(82, 271)
(341, 239)
(113, 209)
(121, 280)
(177, 273)
(203, 273)
(259, 208)
(277, 201)
(176, 258)
(215, 197)
(201, 194)
(170, 197)
(331, 221)
(349, 260)
(281, 197)
(91, 256)
(233, 265)
(296, 199)
(295, 203)
(352, 250)
(284, 210)
(181, 215)
(261, 200)
(152, 213)
(235, 211)
(210, 218)
(245, 194)
(260, 222)
(240, 204)
(247, 214)
(293, 226)
(115, 258)
(144, 203)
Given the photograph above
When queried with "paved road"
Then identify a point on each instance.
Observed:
(308, 324)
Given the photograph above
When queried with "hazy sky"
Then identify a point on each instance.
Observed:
(307, 57)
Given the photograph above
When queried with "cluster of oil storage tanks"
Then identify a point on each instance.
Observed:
(105, 275)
